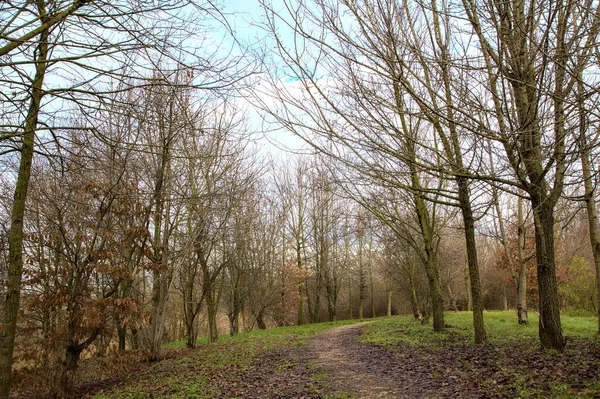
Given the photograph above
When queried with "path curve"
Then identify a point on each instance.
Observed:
(359, 369)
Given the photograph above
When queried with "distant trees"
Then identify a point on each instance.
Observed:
(357, 107)
(271, 284)
(292, 188)
(517, 252)
(590, 179)
(324, 235)
(216, 187)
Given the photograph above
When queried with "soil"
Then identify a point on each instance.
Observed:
(360, 370)
(371, 372)
(334, 365)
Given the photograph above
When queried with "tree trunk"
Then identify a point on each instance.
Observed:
(361, 280)
(161, 275)
(372, 293)
(414, 303)
(236, 307)
(189, 316)
(317, 306)
(522, 298)
(160, 294)
(331, 301)
(522, 283)
(301, 319)
(361, 291)
(234, 323)
(121, 333)
(431, 265)
(519, 277)
(66, 388)
(159, 299)
(468, 288)
(350, 301)
(211, 308)
(125, 292)
(260, 320)
(8, 326)
(435, 292)
(594, 234)
(361, 308)
(426, 229)
(469, 223)
(191, 333)
(312, 307)
(550, 330)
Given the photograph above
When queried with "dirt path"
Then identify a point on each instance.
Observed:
(361, 370)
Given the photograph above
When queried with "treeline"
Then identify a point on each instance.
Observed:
(452, 166)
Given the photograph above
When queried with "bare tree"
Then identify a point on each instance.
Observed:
(214, 185)
(518, 266)
(292, 186)
(530, 68)
(267, 292)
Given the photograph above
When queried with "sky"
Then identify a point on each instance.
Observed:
(245, 16)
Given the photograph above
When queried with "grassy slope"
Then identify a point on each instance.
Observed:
(501, 326)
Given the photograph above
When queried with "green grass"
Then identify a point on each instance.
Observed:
(270, 336)
(501, 326)
(580, 326)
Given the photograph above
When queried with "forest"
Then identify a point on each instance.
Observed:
(168, 174)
